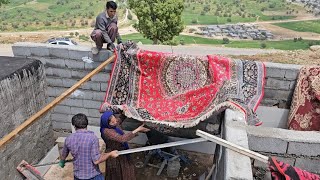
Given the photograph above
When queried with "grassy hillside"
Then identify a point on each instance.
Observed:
(183, 39)
(31, 15)
(302, 26)
(233, 11)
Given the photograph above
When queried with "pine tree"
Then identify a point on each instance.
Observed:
(159, 20)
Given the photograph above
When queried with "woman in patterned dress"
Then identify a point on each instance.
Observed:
(120, 168)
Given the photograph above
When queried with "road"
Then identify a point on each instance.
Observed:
(6, 50)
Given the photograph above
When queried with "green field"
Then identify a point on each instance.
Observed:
(33, 15)
(234, 11)
(302, 26)
(282, 45)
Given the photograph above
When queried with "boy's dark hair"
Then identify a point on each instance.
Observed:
(80, 121)
(111, 4)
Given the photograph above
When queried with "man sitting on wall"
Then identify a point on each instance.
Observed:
(106, 29)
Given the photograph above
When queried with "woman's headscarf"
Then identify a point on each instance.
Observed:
(104, 123)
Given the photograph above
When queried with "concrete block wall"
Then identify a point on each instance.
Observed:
(22, 94)
(280, 84)
(298, 148)
(64, 66)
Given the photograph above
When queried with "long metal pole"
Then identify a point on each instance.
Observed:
(232, 146)
(159, 146)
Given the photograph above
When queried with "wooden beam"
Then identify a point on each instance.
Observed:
(232, 146)
(57, 100)
(159, 146)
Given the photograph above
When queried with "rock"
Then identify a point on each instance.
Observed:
(315, 48)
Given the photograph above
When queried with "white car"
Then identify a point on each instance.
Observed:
(62, 41)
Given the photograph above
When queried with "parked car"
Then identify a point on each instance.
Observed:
(62, 41)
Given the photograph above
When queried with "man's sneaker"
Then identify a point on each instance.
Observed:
(94, 50)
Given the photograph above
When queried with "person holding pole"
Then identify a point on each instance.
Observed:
(84, 147)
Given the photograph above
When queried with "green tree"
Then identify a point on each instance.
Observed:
(4, 2)
(159, 20)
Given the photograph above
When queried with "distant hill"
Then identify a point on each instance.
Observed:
(32, 15)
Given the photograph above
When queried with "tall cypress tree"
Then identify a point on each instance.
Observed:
(159, 20)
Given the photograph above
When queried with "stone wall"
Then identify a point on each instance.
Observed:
(298, 148)
(22, 94)
(65, 66)
(280, 84)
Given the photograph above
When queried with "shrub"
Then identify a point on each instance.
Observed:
(71, 34)
(263, 45)
(229, 20)
(225, 41)
(76, 33)
(194, 21)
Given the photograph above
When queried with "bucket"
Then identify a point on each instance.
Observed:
(173, 168)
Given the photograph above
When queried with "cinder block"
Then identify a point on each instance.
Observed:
(55, 63)
(51, 91)
(101, 77)
(60, 117)
(91, 86)
(274, 83)
(92, 66)
(48, 71)
(267, 144)
(68, 82)
(92, 104)
(293, 85)
(78, 54)
(21, 50)
(94, 113)
(40, 51)
(98, 96)
(311, 165)
(61, 125)
(277, 94)
(62, 109)
(60, 90)
(104, 86)
(304, 148)
(73, 102)
(76, 110)
(275, 72)
(74, 64)
(94, 122)
(61, 73)
(78, 74)
(109, 67)
(288, 160)
(291, 74)
(52, 81)
(102, 56)
(59, 51)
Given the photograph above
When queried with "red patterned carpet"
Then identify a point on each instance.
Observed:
(180, 91)
(305, 107)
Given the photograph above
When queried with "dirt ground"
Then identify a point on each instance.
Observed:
(301, 57)
(200, 163)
